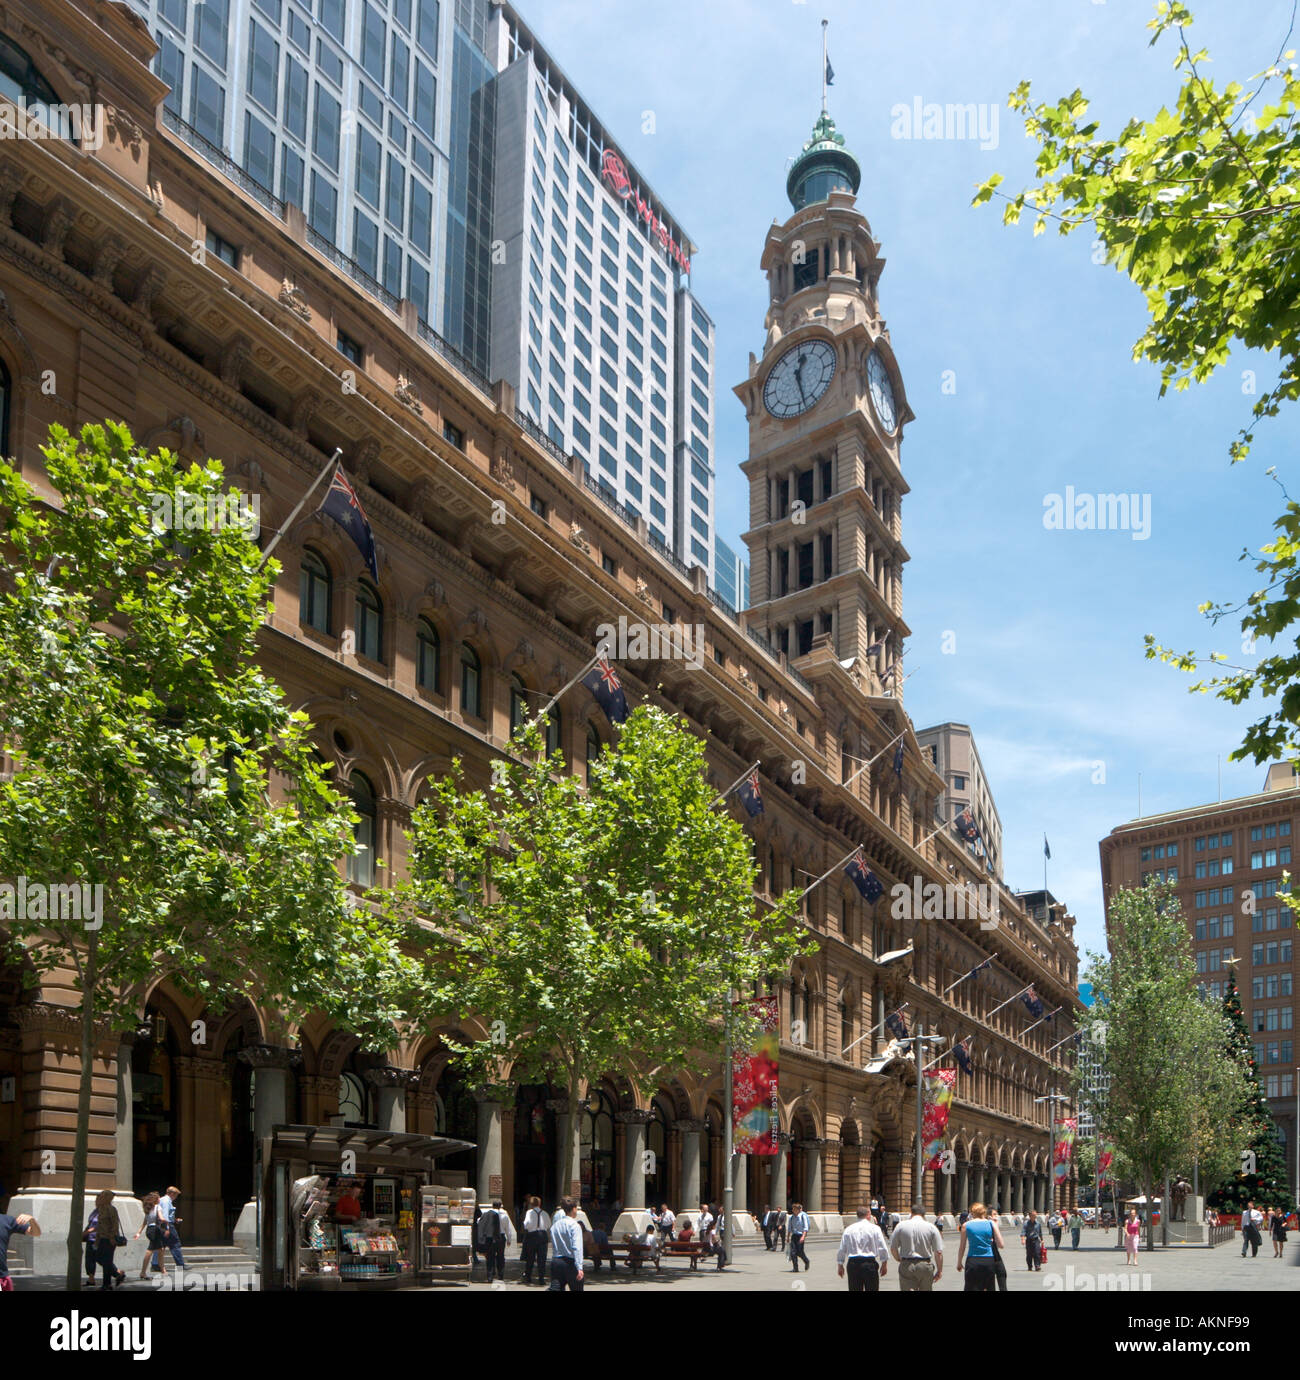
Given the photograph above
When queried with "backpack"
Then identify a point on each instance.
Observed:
(489, 1227)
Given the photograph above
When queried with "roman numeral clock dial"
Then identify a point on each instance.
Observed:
(798, 379)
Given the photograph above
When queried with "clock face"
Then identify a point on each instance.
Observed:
(799, 378)
(882, 392)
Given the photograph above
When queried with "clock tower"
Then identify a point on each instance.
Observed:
(826, 412)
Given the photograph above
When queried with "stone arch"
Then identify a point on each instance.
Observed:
(243, 1018)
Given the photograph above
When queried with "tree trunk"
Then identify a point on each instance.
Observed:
(570, 1137)
(1147, 1187)
(82, 1144)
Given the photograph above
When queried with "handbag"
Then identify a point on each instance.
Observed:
(1042, 1253)
(119, 1240)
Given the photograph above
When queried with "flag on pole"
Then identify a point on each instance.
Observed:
(1047, 848)
(988, 963)
(868, 884)
(605, 685)
(896, 1024)
(830, 73)
(751, 795)
(965, 825)
(961, 1052)
(1032, 1001)
(898, 758)
(342, 504)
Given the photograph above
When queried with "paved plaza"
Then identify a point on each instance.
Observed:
(1094, 1266)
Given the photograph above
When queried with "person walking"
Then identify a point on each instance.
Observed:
(108, 1236)
(882, 1218)
(1031, 1238)
(999, 1265)
(1075, 1225)
(88, 1236)
(782, 1221)
(918, 1248)
(168, 1221)
(975, 1250)
(665, 1221)
(1132, 1231)
(566, 1246)
(863, 1255)
(537, 1238)
(1278, 1233)
(1055, 1223)
(496, 1232)
(152, 1236)
(769, 1227)
(704, 1222)
(25, 1225)
(1251, 1220)
(799, 1225)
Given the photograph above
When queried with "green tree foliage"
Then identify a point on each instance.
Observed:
(1197, 206)
(1269, 1183)
(1174, 1091)
(143, 739)
(594, 930)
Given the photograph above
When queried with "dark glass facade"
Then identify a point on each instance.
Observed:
(467, 312)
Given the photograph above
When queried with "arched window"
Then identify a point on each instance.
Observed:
(846, 1021)
(314, 585)
(369, 623)
(471, 682)
(518, 704)
(428, 656)
(593, 748)
(361, 864)
(22, 86)
(553, 731)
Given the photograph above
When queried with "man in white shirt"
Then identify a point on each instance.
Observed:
(666, 1222)
(537, 1239)
(496, 1232)
(918, 1248)
(168, 1220)
(863, 1255)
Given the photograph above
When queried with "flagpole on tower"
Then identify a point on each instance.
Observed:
(824, 23)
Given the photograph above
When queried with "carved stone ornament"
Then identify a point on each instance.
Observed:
(55, 226)
(577, 539)
(124, 129)
(407, 395)
(361, 464)
(108, 254)
(292, 297)
(233, 358)
(502, 470)
(643, 591)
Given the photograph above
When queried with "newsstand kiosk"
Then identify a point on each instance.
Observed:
(344, 1208)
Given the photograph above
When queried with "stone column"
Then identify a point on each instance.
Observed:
(570, 1182)
(633, 1124)
(813, 1149)
(829, 1181)
(740, 1179)
(691, 1132)
(963, 1186)
(273, 1067)
(491, 1171)
(124, 1173)
(390, 1084)
(851, 1178)
(1004, 1190)
(776, 1184)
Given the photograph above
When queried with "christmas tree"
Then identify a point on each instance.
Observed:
(1268, 1185)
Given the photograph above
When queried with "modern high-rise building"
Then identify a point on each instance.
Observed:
(441, 156)
(341, 110)
(731, 574)
(956, 758)
(593, 318)
(1226, 862)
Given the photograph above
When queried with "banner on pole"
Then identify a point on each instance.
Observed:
(939, 1085)
(755, 1104)
(1105, 1156)
(1064, 1149)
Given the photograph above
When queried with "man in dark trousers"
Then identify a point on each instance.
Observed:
(566, 1249)
(769, 1225)
(1031, 1237)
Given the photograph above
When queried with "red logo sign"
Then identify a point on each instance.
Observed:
(614, 172)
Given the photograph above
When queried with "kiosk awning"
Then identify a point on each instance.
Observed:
(397, 1147)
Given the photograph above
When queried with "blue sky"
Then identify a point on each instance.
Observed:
(1048, 667)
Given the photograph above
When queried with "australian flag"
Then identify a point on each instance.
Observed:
(1032, 1001)
(988, 963)
(602, 681)
(965, 825)
(751, 795)
(961, 1052)
(896, 1024)
(862, 877)
(342, 504)
(898, 758)
(830, 73)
